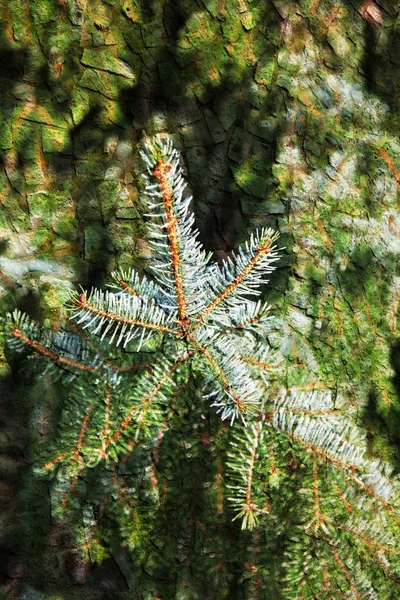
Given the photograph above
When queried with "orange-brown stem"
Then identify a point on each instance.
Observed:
(250, 470)
(368, 490)
(261, 250)
(82, 302)
(125, 286)
(77, 455)
(68, 495)
(82, 432)
(343, 568)
(106, 428)
(347, 467)
(48, 353)
(219, 487)
(327, 583)
(388, 160)
(52, 463)
(161, 174)
(260, 365)
(317, 506)
(343, 499)
(313, 413)
(126, 422)
(239, 403)
(369, 542)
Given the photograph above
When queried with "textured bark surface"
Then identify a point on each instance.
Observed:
(287, 115)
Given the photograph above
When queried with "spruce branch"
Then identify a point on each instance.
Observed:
(129, 282)
(240, 276)
(123, 316)
(133, 360)
(340, 525)
(242, 471)
(60, 349)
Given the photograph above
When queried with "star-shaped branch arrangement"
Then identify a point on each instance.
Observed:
(197, 308)
(194, 321)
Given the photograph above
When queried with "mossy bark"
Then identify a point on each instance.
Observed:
(286, 114)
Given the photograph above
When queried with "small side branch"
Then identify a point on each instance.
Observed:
(327, 583)
(76, 458)
(84, 428)
(343, 569)
(250, 471)
(243, 470)
(304, 567)
(317, 505)
(347, 469)
(368, 490)
(127, 288)
(239, 403)
(146, 402)
(53, 356)
(371, 544)
(244, 324)
(349, 507)
(156, 451)
(306, 411)
(261, 365)
(262, 249)
(106, 427)
(81, 302)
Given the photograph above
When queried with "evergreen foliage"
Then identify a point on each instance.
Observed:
(136, 357)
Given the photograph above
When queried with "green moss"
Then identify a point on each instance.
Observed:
(65, 227)
(80, 105)
(94, 242)
(6, 140)
(265, 70)
(90, 168)
(199, 30)
(56, 140)
(102, 59)
(213, 7)
(28, 141)
(42, 239)
(131, 11)
(247, 180)
(107, 84)
(315, 274)
(227, 110)
(40, 207)
(43, 11)
(108, 191)
(133, 38)
(16, 215)
(53, 296)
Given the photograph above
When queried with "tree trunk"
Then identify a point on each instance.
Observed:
(286, 115)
